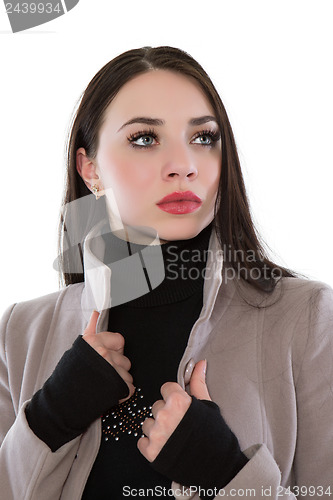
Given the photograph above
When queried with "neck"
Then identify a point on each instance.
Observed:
(184, 264)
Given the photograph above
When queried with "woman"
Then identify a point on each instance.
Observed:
(103, 384)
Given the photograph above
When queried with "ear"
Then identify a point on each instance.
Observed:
(86, 168)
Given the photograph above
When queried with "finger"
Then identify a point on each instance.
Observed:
(120, 360)
(142, 445)
(125, 375)
(131, 392)
(92, 324)
(147, 425)
(112, 340)
(198, 387)
(158, 405)
(169, 388)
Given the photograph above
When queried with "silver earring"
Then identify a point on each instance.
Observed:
(95, 190)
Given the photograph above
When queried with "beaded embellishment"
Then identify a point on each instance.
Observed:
(126, 418)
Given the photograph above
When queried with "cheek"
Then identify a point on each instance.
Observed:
(212, 175)
(130, 181)
(124, 174)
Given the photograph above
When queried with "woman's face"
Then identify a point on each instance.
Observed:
(159, 135)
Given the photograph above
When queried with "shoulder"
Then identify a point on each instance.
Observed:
(306, 297)
(23, 318)
(301, 304)
(301, 287)
(290, 294)
(298, 312)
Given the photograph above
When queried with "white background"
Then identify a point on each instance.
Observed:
(271, 63)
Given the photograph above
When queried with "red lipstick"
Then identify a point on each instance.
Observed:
(180, 202)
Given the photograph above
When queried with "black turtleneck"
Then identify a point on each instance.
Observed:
(156, 327)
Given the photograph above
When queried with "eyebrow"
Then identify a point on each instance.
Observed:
(157, 121)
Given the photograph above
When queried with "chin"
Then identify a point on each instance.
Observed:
(180, 229)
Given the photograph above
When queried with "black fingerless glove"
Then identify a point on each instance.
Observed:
(202, 451)
(82, 387)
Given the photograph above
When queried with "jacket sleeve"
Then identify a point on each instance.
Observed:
(26, 462)
(313, 465)
(259, 478)
(313, 461)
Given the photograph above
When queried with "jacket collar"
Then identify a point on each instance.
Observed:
(97, 292)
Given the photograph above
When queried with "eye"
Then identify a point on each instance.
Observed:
(142, 139)
(206, 138)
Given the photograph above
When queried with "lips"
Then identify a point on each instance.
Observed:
(180, 202)
(180, 196)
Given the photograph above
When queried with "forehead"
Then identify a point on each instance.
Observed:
(160, 94)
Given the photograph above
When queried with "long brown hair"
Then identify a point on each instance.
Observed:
(243, 250)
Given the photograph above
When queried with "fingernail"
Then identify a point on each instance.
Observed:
(205, 367)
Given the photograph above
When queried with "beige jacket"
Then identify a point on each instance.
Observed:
(270, 370)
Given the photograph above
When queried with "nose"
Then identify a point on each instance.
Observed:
(178, 163)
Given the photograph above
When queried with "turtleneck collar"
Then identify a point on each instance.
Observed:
(184, 266)
(100, 280)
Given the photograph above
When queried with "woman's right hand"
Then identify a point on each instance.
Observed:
(110, 345)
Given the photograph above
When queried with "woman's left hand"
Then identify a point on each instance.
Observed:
(169, 412)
